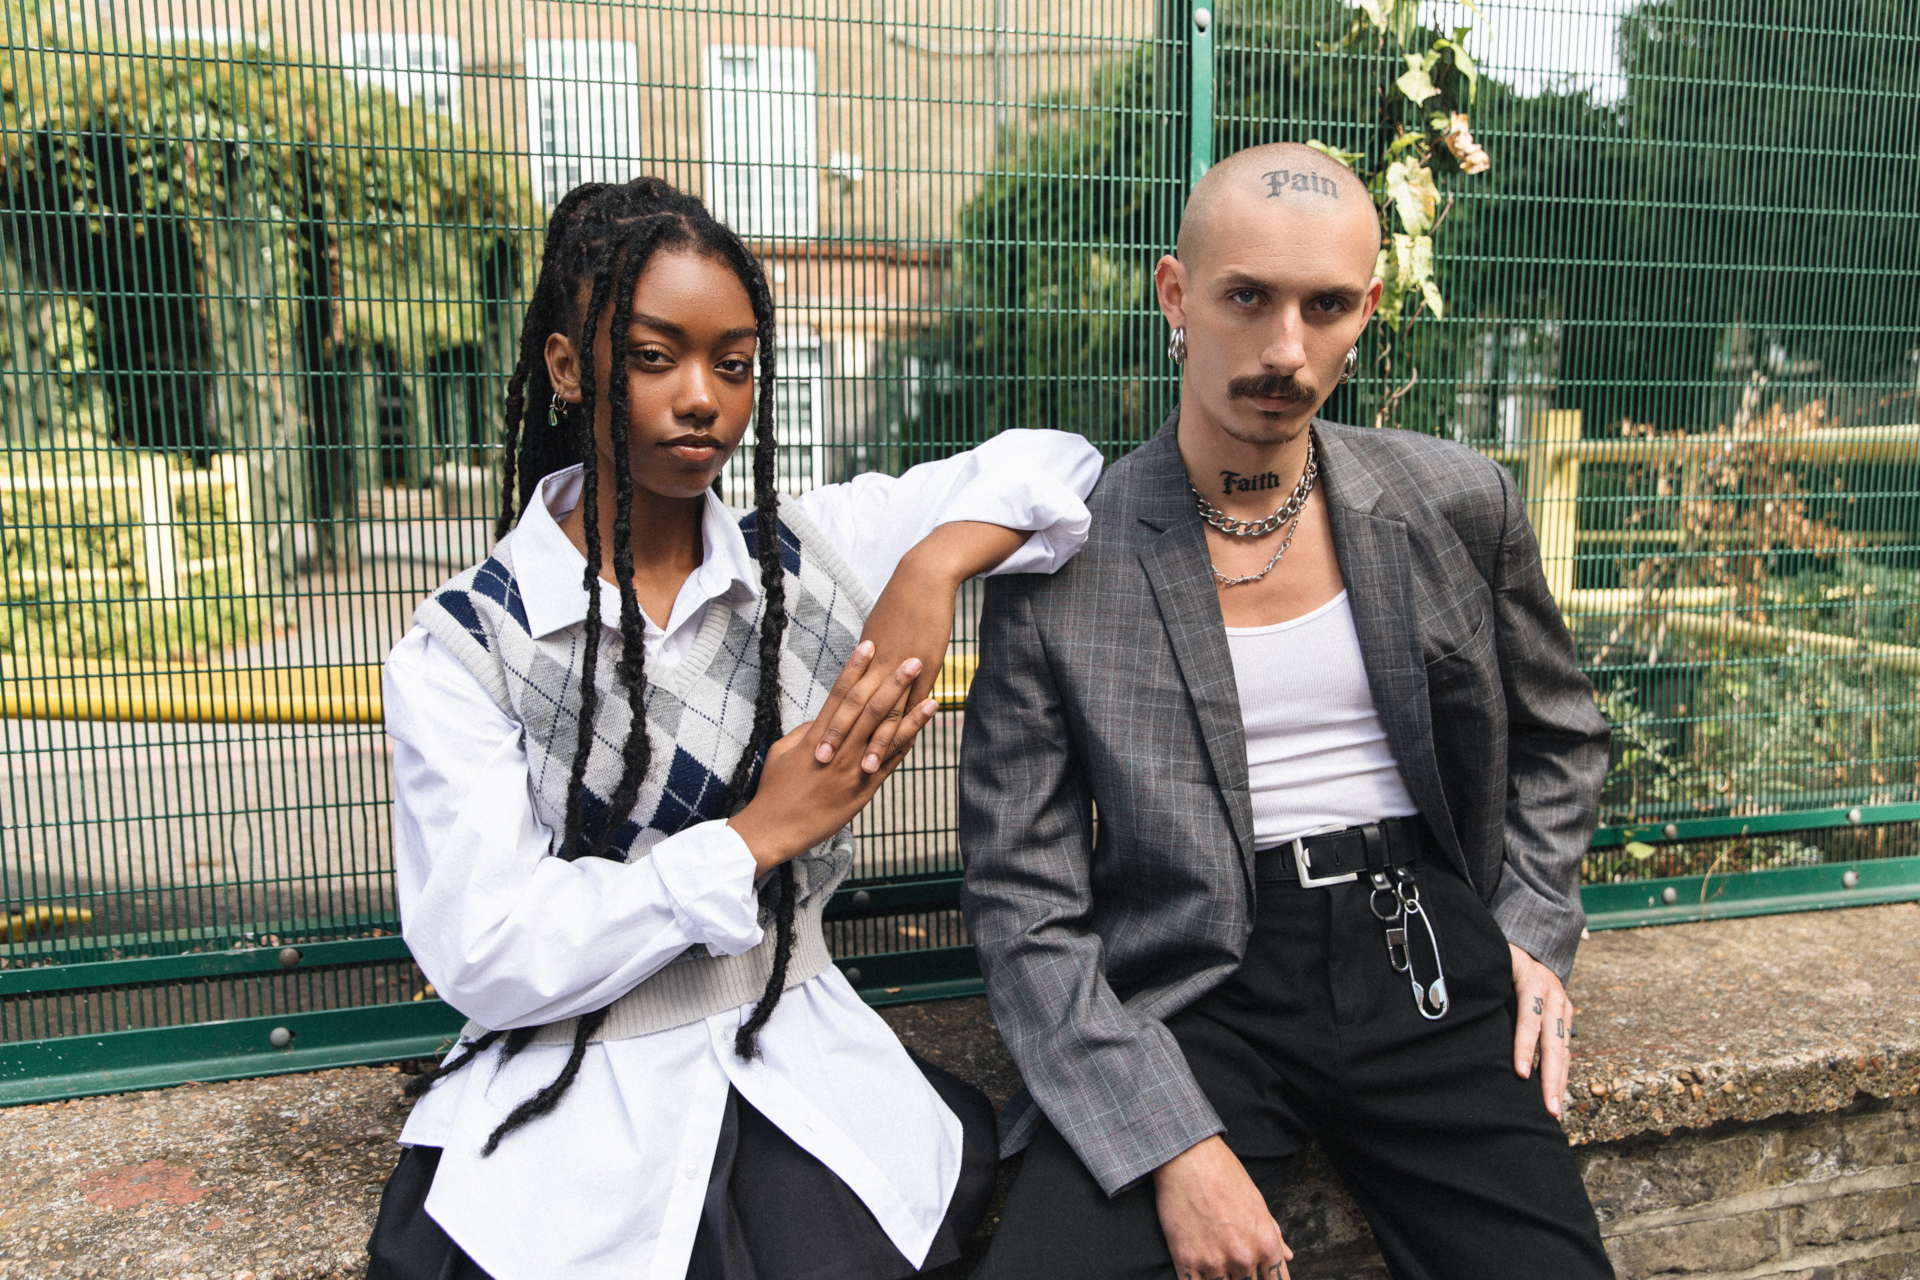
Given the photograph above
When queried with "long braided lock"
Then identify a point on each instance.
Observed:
(599, 241)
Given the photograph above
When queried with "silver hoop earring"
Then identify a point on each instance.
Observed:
(556, 410)
(1177, 346)
(1352, 366)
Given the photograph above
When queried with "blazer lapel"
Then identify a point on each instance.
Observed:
(1181, 575)
(1377, 563)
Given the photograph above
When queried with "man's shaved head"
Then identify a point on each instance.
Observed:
(1272, 288)
(1276, 178)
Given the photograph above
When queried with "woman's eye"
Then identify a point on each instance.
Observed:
(736, 367)
(650, 355)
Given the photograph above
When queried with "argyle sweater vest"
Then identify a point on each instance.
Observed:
(699, 713)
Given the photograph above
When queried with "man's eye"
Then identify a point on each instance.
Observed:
(1245, 297)
(1330, 304)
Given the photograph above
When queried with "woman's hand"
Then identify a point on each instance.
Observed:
(913, 619)
(803, 799)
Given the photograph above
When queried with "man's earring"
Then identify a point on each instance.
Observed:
(1177, 346)
(555, 411)
(1352, 366)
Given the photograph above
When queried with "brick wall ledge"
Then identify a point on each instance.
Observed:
(1685, 1026)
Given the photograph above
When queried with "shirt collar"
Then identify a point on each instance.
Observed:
(550, 570)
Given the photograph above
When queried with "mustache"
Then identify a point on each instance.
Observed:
(1268, 387)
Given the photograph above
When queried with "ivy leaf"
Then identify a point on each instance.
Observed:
(1423, 273)
(1462, 61)
(1347, 158)
(1417, 81)
(1415, 197)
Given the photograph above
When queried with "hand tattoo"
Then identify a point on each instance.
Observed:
(1539, 1006)
(1560, 1028)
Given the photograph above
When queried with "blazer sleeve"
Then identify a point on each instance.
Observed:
(1557, 754)
(1113, 1081)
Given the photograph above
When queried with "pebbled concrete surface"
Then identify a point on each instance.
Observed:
(1680, 1027)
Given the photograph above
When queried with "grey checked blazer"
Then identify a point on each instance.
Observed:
(1109, 687)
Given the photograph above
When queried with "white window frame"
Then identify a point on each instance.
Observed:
(597, 83)
(761, 127)
(799, 423)
(408, 65)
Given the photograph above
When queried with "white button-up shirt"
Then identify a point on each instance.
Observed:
(611, 1184)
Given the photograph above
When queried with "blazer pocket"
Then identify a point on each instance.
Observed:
(1476, 644)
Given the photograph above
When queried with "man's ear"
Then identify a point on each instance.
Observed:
(1170, 287)
(563, 367)
(1372, 302)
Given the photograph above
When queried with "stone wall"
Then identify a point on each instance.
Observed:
(1833, 1196)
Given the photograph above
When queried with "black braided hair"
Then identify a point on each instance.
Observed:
(599, 241)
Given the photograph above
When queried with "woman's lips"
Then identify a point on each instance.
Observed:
(693, 450)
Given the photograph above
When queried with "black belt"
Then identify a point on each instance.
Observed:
(1335, 857)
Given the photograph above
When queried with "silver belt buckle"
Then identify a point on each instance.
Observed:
(1307, 879)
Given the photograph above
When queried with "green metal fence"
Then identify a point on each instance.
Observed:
(263, 266)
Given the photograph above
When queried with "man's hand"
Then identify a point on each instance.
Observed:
(913, 618)
(1546, 1022)
(1215, 1220)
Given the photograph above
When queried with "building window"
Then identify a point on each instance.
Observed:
(583, 114)
(803, 462)
(422, 68)
(762, 146)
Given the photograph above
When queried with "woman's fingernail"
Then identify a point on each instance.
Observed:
(823, 752)
(866, 649)
(911, 666)
(928, 707)
(872, 762)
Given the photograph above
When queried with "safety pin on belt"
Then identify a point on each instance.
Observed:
(1434, 995)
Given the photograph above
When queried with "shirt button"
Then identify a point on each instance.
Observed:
(690, 1171)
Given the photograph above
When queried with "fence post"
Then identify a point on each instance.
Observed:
(1552, 492)
(1200, 95)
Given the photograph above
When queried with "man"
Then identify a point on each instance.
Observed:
(1273, 817)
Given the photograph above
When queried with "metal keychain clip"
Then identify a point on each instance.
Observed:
(1393, 918)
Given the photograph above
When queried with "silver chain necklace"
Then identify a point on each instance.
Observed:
(1289, 511)
(1242, 581)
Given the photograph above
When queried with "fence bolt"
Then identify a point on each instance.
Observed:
(1669, 895)
(1202, 19)
(861, 897)
(289, 957)
(853, 977)
(279, 1037)
(1851, 879)
(1672, 831)
(1855, 816)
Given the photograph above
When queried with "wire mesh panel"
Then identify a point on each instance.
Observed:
(264, 268)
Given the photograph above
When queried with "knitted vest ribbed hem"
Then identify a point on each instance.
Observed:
(700, 986)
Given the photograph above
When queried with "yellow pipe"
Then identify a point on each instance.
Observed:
(1836, 444)
(31, 689)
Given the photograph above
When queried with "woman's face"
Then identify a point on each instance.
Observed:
(689, 374)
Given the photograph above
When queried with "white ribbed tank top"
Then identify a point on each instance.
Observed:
(1317, 754)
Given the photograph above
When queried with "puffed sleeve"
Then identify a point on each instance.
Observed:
(1019, 479)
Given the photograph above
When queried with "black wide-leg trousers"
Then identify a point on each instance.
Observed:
(1454, 1159)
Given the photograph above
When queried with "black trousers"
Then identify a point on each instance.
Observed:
(773, 1211)
(1454, 1159)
